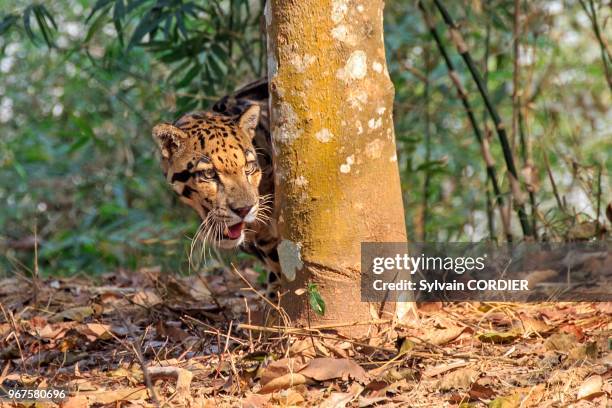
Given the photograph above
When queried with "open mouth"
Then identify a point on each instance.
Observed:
(234, 231)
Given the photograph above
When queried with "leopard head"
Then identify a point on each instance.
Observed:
(211, 163)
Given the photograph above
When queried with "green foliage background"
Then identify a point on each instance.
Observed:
(82, 83)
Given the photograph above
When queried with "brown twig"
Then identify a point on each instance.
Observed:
(553, 184)
(598, 225)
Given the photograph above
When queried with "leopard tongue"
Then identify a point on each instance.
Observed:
(235, 231)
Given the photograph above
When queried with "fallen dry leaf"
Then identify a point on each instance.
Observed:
(253, 401)
(530, 325)
(288, 398)
(440, 337)
(604, 307)
(77, 314)
(337, 400)
(429, 307)
(480, 392)
(52, 331)
(199, 290)
(283, 382)
(10, 286)
(78, 401)
(279, 368)
(458, 380)
(591, 387)
(322, 369)
(146, 298)
(5, 329)
(365, 402)
(95, 331)
(442, 368)
(303, 347)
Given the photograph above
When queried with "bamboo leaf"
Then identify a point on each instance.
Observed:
(97, 24)
(118, 16)
(27, 14)
(100, 4)
(147, 25)
(7, 22)
(186, 80)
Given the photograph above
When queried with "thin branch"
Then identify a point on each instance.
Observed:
(591, 12)
(517, 115)
(488, 158)
(499, 126)
(516, 104)
(597, 222)
(485, 68)
(560, 203)
(427, 181)
(528, 164)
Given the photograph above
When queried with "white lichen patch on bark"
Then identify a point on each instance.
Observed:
(324, 135)
(374, 149)
(357, 98)
(356, 67)
(290, 257)
(346, 167)
(300, 181)
(342, 33)
(288, 130)
(339, 10)
(375, 123)
(359, 127)
(393, 158)
(301, 63)
(381, 110)
(377, 67)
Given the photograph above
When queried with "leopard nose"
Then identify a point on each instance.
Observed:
(242, 211)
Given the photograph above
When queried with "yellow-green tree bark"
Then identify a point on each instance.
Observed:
(337, 178)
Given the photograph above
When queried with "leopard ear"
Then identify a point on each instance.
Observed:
(249, 119)
(169, 138)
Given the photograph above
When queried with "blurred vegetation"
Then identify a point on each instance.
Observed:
(83, 82)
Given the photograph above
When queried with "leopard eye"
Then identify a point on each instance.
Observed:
(251, 167)
(207, 174)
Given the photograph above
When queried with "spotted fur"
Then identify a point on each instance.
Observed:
(219, 162)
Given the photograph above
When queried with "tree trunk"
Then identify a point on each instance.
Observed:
(337, 179)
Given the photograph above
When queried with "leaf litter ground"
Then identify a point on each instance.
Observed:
(148, 339)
